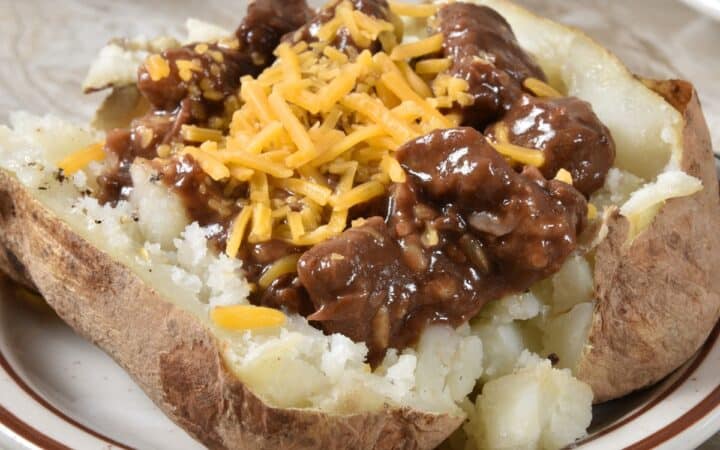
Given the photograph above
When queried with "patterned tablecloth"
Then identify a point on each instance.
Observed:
(45, 49)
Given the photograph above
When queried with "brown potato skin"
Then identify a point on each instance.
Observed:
(658, 298)
(169, 353)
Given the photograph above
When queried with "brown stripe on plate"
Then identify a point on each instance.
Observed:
(683, 423)
(38, 398)
(29, 433)
(701, 408)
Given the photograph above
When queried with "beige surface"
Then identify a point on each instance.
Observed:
(46, 46)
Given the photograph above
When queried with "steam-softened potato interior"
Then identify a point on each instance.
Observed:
(372, 205)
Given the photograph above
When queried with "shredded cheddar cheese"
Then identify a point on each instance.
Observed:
(209, 163)
(427, 46)
(191, 133)
(80, 159)
(247, 317)
(315, 134)
(540, 88)
(564, 176)
(523, 155)
(432, 66)
(261, 229)
(359, 194)
(238, 231)
(157, 67)
(592, 211)
(393, 169)
(283, 266)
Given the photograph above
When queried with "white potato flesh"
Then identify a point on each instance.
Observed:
(645, 202)
(448, 362)
(619, 187)
(502, 345)
(277, 365)
(510, 412)
(573, 284)
(114, 65)
(537, 406)
(523, 306)
(161, 213)
(566, 335)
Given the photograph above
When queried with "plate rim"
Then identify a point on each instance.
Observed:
(27, 431)
(708, 406)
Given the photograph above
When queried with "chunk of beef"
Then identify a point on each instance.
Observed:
(569, 134)
(141, 140)
(525, 224)
(465, 229)
(266, 22)
(343, 40)
(217, 67)
(359, 285)
(486, 54)
(215, 74)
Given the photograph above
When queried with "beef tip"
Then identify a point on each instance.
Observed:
(451, 288)
(141, 140)
(375, 288)
(218, 66)
(464, 229)
(265, 24)
(551, 216)
(525, 226)
(450, 167)
(486, 54)
(569, 134)
(257, 257)
(474, 31)
(343, 40)
(354, 281)
(215, 76)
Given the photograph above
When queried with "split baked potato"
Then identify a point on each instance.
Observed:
(635, 300)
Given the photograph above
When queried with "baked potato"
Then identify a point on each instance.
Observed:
(633, 299)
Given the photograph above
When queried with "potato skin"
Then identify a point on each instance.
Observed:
(658, 298)
(169, 353)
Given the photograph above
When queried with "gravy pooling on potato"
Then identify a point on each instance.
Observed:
(460, 225)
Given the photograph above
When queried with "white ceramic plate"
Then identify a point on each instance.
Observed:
(57, 391)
